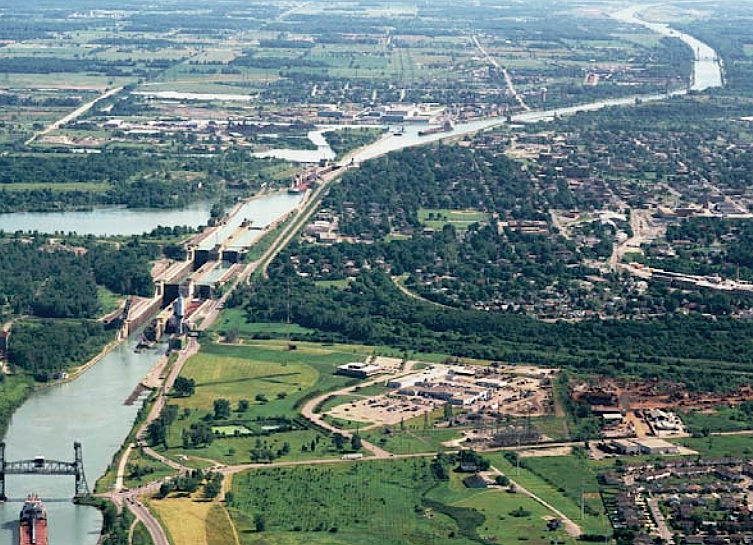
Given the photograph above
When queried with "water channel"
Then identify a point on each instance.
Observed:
(91, 409)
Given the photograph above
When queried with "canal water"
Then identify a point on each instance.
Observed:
(106, 221)
(91, 409)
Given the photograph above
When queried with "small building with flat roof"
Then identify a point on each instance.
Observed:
(357, 369)
(650, 445)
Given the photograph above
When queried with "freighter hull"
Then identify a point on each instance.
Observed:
(32, 527)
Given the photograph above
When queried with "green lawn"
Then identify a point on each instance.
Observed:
(592, 524)
(497, 506)
(234, 320)
(720, 445)
(411, 441)
(274, 382)
(152, 469)
(437, 218)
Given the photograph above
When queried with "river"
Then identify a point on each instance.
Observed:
(91, 408)
(112, 221)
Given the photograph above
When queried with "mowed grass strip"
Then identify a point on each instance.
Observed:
(238, 378)
(273, 380)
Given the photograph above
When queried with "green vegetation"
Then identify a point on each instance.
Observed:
(459, 219)
(720, 445)
(141, 535)
(14, 389)
(564, 493)
(719, 418)
(42, 347)
(142, 469)
(570, 475)
(115, 526)
(398, 501)
(343, 141)
(263, 387)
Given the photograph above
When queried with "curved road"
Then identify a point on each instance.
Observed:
(130, 498)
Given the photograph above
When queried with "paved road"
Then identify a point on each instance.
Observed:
(73, 115)
(508, 79)
(157, 533)
(664, 532)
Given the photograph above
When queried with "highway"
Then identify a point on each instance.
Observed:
(73, 115)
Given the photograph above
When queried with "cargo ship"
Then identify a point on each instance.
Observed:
(32, 527)
(447, 126)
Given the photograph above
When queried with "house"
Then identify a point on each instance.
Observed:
(475, 481)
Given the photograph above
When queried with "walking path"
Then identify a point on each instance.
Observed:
(570, 526)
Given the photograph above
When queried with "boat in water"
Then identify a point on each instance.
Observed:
(32, 527)
(447, 126)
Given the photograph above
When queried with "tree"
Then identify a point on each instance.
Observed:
(355, 442)
(260, 522)
(221, 409)
(448, 411)
(339, 441)
(242, 405)
(156, 433)
(184, 387)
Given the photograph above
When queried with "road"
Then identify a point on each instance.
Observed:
(73, 115)
(661, 525)
(508, 79)
(643, 231)
(570, 526)
(309, 413)
(287, 234)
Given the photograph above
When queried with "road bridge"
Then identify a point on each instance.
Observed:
(42, 466)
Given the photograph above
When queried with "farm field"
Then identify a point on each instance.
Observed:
(194, 522)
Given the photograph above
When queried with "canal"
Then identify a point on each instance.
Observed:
(91, 409)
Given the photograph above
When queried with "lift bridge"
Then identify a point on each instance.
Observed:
(41, 466)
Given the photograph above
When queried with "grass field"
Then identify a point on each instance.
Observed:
(154, 469)
(234, 320)
(721, 445)
(273, 381)
(411, 441)
(722, 419)
(190, 522)
(592, 524)
(379, 502)
(437, 218)
(497, 505)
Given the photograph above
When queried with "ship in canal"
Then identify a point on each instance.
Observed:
(32, 526)
(447, 126)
